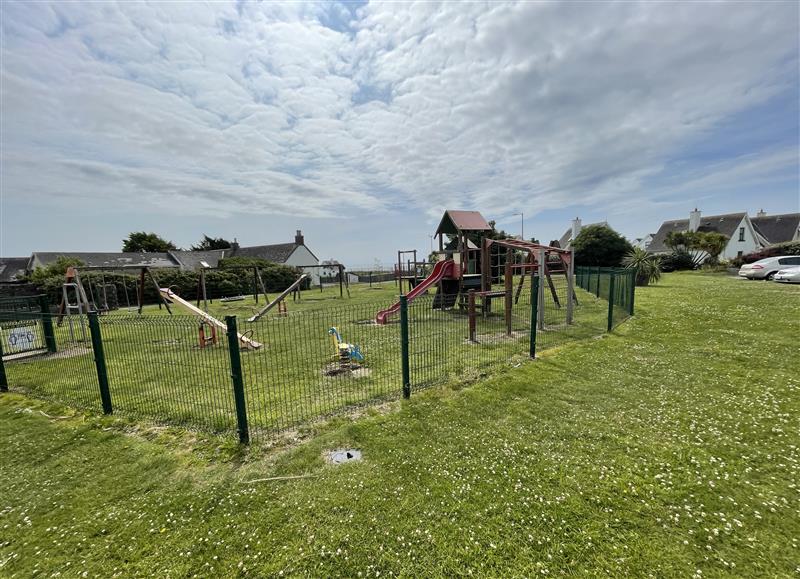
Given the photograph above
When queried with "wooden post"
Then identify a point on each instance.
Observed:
(570, 287)
(341, 281)
(471, 312)
(158, 289)
(509, 283)
(540, 293)
(203, 281)
(486, 274)
(141, 290)
(255, 284)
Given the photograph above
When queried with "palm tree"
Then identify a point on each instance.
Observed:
(647, 266)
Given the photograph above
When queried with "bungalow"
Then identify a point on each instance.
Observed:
(744, 234)
(295, 254)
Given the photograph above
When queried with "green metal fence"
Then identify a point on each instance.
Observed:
(311, 364)
(25, 325)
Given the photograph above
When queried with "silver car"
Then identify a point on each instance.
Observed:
(788, 275)
(767, 268)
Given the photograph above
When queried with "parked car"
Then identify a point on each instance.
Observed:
(788, 275)
(767, 268)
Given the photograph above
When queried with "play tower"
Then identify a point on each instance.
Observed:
(471, 259)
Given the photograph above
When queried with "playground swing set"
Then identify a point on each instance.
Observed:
(471, 263)
(75, 302)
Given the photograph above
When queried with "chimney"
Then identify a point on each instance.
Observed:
(761, 213)
(576, 227)
(694, 220)
(298, 238)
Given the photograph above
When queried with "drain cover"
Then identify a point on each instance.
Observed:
(344, 455)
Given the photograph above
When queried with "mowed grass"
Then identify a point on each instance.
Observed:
(157, 370)
(669, 448)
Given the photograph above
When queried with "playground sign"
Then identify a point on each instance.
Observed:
(22, 339)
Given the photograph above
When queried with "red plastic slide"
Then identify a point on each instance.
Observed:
(440, 270)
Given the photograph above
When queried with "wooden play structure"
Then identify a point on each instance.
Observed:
(280, 299)
(471, 262)
(244, 340)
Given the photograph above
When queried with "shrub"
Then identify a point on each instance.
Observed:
(647, 266)
(219, 283)
(599, 245)
(787, 248)
(678, 260)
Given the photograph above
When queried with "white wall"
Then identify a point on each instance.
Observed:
(302, 256)
(735, 246)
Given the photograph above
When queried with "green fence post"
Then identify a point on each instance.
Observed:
(100, 362)
(534, 314)
(597, 289)
(404, 347)
(633, 291)
(611, 276)
(238, 380)
(47, 324)
(3, 377)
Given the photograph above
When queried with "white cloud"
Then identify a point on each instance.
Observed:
(261, 108)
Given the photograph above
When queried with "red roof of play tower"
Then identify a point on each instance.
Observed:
(454, 221)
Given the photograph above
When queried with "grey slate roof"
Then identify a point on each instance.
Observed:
(110, 260)
(12, 269)
(777, 228)
(277, 253)
(190, 260)
(724, 224)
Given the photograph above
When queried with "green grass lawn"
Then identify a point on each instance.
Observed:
(157, 370)
(669, 448)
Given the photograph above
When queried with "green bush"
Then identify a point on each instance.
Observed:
(678, 260)
(599, 245)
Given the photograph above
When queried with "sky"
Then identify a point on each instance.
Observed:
(360, 123)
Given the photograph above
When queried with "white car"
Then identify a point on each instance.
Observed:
(788, 275)
(767, 268)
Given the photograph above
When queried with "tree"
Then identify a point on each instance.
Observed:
(57, 269)
(209, 243)
(713, 244)
(141, 241)
(599, 245)
(701, 245)
(647, 266)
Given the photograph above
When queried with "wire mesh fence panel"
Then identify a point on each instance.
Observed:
(158, 370)
(554, 328)
(443, 347)
(316, 359)
(624, 281)
(318, 363)
(67, 375)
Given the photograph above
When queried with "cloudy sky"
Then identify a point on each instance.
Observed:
(359, 123)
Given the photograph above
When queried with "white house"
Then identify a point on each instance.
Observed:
(644, 242)
(296, 254)
(744, 234)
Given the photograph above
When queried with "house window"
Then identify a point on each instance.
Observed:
(741, 234)
(739, 253)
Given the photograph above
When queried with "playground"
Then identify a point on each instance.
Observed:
(305, 354)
